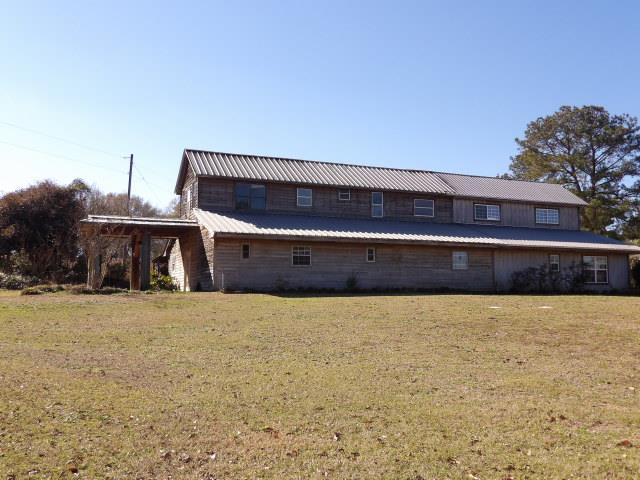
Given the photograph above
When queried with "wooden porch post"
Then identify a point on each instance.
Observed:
(94, 274)
(134, 271)
(145, 261)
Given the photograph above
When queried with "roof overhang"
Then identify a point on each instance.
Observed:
(119, 226)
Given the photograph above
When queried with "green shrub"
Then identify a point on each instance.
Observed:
(162, 282)
(352, 283)
(635, 271)
(17, 282)
(40, 289)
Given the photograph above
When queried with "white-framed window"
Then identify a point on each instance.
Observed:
(371, 254)
(460, 260)
(548, 216)
(304, 197)
(595, 269)
(423, 207)
(377, 204)
(301, 256)
(344, 194)
(245, 251)
(483, 211)
(554, 262)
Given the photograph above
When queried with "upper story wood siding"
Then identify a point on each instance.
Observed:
(217, 195)
(515, 214)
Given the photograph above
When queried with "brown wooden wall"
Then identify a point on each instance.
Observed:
(515, 214)
(509, 261)
(396, 266)
(218, 195)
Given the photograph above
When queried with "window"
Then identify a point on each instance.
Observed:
(305, 197)
(344, 195)
(377, 208)
(301, 256)
(486, 212)
(595, 269)
(554, 263)
(371, 254)
(250, 196)
(548, 216)
(460, 261)
(246, 250)
(422, 207)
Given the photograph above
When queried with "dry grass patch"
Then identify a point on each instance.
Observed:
(212, 386)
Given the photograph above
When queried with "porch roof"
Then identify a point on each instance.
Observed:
(122, 226)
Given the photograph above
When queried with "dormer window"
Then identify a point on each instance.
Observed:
(304, 197)
(486, 212)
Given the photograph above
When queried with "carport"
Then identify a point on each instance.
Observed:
(140, 231)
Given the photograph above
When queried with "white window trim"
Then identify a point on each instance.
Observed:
(298, 197)
(487, 205)
(433, 207)
(381, 205)
(242, 257)
(455, 266)
(366, 254)
(189, 197)
(344, 190)
(292, 255)
(595, 269)
(557, 210)
(551, 264)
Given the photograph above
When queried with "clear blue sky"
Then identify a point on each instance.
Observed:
(431, 85)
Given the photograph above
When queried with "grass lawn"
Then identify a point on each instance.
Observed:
(214, 386)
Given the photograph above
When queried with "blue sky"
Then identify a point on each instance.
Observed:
(433, 85)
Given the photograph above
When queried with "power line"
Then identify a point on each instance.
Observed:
(55, 137)
(148, 184)
(61, 156)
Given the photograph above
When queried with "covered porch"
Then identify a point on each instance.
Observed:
(139, 231)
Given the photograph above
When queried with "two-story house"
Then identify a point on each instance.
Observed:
(269, 223)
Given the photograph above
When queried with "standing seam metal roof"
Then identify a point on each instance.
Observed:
(326, 228)
(261, 168)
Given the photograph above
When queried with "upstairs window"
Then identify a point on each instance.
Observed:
(460, 260)
(483, 211)
(423, 207)
(246, 250)
(344, 195)
(595, 269)
(250, 196)
(304, 197)
(189, 197)
(301, 256)
(377, 206)
(548, 216)
(371, 254)
(554, 263)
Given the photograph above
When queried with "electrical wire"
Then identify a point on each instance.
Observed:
(24, 147)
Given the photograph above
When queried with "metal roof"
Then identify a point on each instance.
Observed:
(501, 189)
(252, 167)
(139, 221)
(326, 228)
(287, 170)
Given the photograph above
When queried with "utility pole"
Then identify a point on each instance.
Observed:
(129, 189)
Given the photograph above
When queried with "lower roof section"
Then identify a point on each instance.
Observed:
(113, 225)
(311, 228)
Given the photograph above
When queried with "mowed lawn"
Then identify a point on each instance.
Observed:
(215, 386)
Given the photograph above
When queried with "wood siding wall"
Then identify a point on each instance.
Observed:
(509, 261)
(191, 262)
(514, 214)
(397, 266)
(217, 195)
(190, 183)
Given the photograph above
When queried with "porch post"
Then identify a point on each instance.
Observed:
(134, 271)
(145, 261)
(94, 271)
